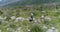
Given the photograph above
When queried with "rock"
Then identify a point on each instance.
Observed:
(44, 27)
(13, 17)
(18, 29)
(47, 18)
(50, 30)
(28, 30)
(1, 17)
(0, 30)
(10, 29)
(19, 19)
(53, 29)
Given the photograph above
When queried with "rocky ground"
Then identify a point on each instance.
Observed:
(17, 19)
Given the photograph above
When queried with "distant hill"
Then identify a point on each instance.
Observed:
(29, 2)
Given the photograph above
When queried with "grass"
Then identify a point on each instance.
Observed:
(25, 25)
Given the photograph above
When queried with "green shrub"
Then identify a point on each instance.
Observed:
(36, 28)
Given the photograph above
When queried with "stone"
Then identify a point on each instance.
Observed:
(44, 27)
(13, 17)
(47, 18)
(0, 30)
(28, 30)
(53, 29)
(19, 19)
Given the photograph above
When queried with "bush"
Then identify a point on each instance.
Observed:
(36, 28)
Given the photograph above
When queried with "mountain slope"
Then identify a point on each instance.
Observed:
(27, 2)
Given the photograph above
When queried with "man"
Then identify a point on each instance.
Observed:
(31, 17)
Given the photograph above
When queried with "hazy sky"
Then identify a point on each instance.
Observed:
(0, 0)
(4, 2)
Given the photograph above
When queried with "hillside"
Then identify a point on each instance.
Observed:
(16, 17)
(29, 2)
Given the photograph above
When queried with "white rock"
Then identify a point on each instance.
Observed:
(47, 18)
(32, 14)
(1, 17)
(43, 11)
(13, 17)
(53, 29)
(50, 30)
(0, 30)
(10, 29)
(44, 27)
(35, 21)
(19, 19)
(33, 18)
(5, 17)
(42, 16)
(19, 29)
(28, 29)
(27, 19)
